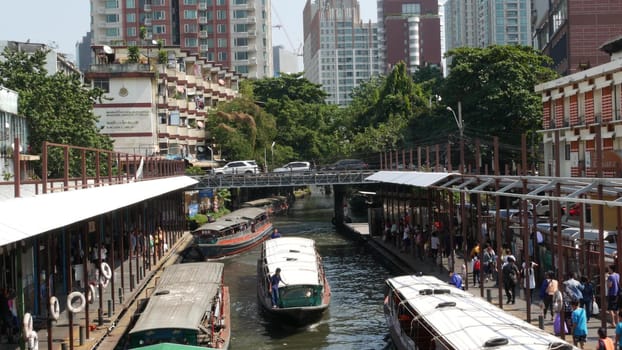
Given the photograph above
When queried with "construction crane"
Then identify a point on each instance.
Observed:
(297, 52)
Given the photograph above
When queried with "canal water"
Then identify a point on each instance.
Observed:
(355, 318)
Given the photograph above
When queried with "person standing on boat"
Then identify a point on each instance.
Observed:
(275, 233)
(274, 286)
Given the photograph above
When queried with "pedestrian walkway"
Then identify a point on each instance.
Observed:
(108, 317)
(407, 263)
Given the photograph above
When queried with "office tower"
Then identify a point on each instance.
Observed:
(232, 33)
(571, 32)
(409, 31)
(284, 61)
(340, 51)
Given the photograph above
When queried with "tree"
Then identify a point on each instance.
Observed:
(495, 86)
(58, 108)
(133, 54)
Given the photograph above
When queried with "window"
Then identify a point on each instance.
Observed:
(241, 55)
(112, 18)
(222, 42)
(221, 28)
(241, 69)
(102, 83)
(159, 29)
(240, 28)
(190, 28)
(222, 56)
(190, 14)
(239, 14)
(567, 151)
(191, 42)
(190, 2)
(411, 8)
(221, 2)
(130, 18)
(221, 14)
(159, 15)
(112, 32)
(241, 41)
(131, 31)
(240, 2)
(112, 4)
(157, 2)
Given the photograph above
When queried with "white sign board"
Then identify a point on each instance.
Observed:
(125, 120)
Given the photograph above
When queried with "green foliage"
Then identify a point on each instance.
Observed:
(194, 170)
(495, 86)
(58, 109)
(162, 57)
(133, 54)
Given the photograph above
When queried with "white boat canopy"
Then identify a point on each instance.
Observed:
(296, 257)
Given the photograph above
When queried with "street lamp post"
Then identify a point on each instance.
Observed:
(460, 125)
(272, 152)
(211, 152)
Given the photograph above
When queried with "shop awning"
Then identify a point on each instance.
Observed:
(411, 178)
(26, 217)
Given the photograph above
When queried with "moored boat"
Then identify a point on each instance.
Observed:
(190, 305)
(231, 234)
(424, 313)
(304, 292)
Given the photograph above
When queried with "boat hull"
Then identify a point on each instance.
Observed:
(234, 245)
(292, 316)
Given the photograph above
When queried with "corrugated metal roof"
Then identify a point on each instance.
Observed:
(412, 178)
(26, 217)
(182, 297)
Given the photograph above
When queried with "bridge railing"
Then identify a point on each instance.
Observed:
(284, 179)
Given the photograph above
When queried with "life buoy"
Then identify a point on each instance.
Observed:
(27, 324)
(54, 308)
(90, 293)
(103, 281)
(33, 341)
(106, 270)
(76, 308)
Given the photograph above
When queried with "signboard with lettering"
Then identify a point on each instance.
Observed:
(125, 120)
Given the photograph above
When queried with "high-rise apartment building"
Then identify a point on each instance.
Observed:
(477, 23)
(571, 32)
(232, 33)
(409, 31)
(340, 51)
(284, 61)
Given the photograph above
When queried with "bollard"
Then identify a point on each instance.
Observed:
(109, 308)
(81, 331)
(131, 282)
(541, 322)
(120, 295)
(100, 317)
(63, 346)
(143, 270)
(489, 295)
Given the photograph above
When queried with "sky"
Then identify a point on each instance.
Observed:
(64, 23)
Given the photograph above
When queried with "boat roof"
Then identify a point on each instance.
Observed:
(234, 218)
(182, 296)
(173, 346)
(295, 256)
(464, 321)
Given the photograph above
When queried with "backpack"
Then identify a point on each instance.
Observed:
(476, 265)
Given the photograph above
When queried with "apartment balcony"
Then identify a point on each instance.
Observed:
(202, 6)
(120, 68)
(192, 106)
(172, 103)
(204, 47)
(147, 8)
(202, 19)
(147, 21)
(108, 24)
(182, 131)
(172, 130)
(203, 34)
(182, 103)
(196, 133)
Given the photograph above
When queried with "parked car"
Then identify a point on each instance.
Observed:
(543, 207)
(293, 166)
(575, 209)
(347, 164)
(238, 167)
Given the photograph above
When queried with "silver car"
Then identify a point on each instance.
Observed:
(293, 166)
(238, 167)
